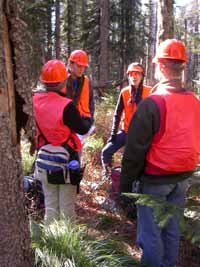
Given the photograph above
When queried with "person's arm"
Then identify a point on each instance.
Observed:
(144, 124)
(73, 120)
(117, 115)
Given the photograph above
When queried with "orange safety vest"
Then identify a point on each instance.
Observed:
(178, 149)
(130, 108)
(83, 102)
(48, 110)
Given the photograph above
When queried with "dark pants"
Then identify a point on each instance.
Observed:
(111, 148)
(160, 246)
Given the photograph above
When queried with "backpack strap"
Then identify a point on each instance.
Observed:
(41, 133)
(45, 139)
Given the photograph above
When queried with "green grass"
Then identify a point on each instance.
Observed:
(104, 222)
(27, 159)
(103, 122)
(94, 143)
(110, 98)
(63, 243)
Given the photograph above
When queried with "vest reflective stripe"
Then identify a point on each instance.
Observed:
(48, 109)
(130, 108)
(83, 102)
(178, 149)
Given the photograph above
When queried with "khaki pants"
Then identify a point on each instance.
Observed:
(59, 199)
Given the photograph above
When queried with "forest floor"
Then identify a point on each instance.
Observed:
(97, 208)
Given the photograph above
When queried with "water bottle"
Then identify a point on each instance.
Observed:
(74, 172)
(73, 164)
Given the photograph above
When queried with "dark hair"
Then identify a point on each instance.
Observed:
(55, 87)
(139, 92)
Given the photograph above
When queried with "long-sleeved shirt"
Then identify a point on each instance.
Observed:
(74, 91)
(74, 121)
(119, 109)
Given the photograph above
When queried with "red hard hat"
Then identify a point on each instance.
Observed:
(79, 57)
(135, 67)
(53, 71)
(171, 49)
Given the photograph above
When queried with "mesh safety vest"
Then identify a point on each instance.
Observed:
(48, 109)
(83, 102)
(129, 106)
(178, 149)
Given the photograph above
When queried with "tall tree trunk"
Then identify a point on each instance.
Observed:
(151, 44)
(195, 70)
(103, 71)
(57, 29)
(165, 18)
(15, 249)
(69, 29)
(49, 32)
(122, 37)
(83, 21)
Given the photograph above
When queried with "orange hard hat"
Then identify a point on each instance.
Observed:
(53, 71)
(79, 57)
(171, 49)
(135, 67)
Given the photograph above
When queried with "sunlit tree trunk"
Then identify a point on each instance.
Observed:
(165, 19)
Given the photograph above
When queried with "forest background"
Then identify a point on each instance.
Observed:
(114, 34)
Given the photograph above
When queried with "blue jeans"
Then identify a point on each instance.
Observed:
(111, 148)
(160, 246)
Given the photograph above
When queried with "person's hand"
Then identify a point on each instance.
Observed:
(112, 138)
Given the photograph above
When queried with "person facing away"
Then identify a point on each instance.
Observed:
(78, 85)
(162, 151)
(57, 122)
(128, 99)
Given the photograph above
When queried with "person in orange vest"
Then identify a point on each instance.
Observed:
(57, 122)
(161, 153)
(79, 87)
(128, 100)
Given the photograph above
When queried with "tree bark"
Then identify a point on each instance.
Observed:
(103, 71)
(10, 94)
(151, 44)
(49, 32)
(165, 18)
(57, 29)
(15, 248)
